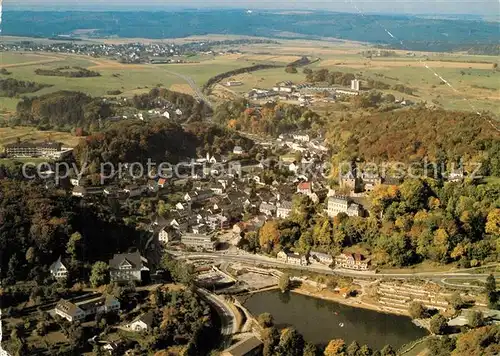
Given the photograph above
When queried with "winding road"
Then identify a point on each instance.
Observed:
(229, 325)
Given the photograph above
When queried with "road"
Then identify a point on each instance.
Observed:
(270, 262)
(197, 91)
(229, 325)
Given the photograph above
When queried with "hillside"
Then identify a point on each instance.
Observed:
(418, 33)
(414, 135)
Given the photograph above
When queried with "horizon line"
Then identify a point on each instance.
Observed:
(155, 8)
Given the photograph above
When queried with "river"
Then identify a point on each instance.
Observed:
(319, 320)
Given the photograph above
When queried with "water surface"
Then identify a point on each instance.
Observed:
(320, 320)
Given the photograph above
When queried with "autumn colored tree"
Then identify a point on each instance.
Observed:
(335, 347)
(269, 235)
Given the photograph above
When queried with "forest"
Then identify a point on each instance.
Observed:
(62, 110)
(416, 135)
(158, 140)
(12, 87)
(37, 226)
(270, 119)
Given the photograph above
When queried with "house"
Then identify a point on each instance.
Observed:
(153, 186)
(133, 190)
(127, 267)
(69, 311)
(304, 188)
(218, 190)
(79, 311)
(354, 261)
(267, 209)
(217, 222)
(250, 346)
(58, 270)
(338, 204)
(293, 167)
(301, 137)
(284, 209)
(112, 346)
(349, 181)
(456, 175)
(166, 235)
(198, 195)
(199, 229)
(142, 323)
(79, 191)
(320, 257)
(370, 180)
(162, 182)
(292, 258)
(233, 83)
(238, 150)
(199, 241)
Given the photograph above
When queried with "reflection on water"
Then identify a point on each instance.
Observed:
(320, 320)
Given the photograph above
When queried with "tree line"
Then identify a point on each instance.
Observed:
(228, 74)
(11, 87)
(70, 72)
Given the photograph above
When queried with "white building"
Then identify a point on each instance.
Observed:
(292, 258)
(58, 270)
(337, 205)
(142, 323)
(355, 84)
(284, 210)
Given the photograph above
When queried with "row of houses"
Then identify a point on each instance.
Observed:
(123, 268)
(350, 261)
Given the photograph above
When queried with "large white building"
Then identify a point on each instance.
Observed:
(199, 241)
(77, 312)
(337, 205)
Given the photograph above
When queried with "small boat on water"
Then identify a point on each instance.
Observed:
(341, 325)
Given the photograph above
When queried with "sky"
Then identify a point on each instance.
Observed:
(473, 7)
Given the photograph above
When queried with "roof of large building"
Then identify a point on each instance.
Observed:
(243, 347)
(45, 144)
(135, 259)
(67, 307)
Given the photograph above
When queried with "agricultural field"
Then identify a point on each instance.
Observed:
(10, 135)
(473, 77)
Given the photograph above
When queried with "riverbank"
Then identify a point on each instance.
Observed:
(354, 302)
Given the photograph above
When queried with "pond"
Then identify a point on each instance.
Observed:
(319, 320)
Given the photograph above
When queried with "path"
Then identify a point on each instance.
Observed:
(197, 91)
